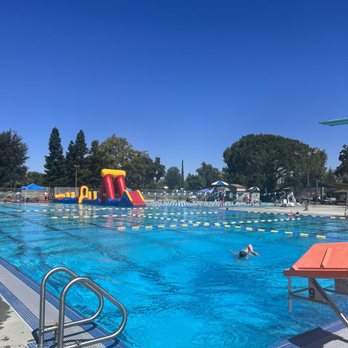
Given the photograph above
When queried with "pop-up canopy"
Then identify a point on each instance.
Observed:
(32, 187)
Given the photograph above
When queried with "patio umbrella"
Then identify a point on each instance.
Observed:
(220, 183)
(253, 188)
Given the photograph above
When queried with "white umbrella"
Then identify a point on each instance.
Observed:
(253, 188)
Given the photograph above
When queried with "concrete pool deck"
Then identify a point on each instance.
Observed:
(14, 332)
(322, 210)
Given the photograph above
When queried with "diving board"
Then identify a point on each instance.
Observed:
(337, 122)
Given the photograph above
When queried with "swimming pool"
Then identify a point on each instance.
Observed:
(175, 268)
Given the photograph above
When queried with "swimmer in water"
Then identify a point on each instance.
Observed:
(244, 253)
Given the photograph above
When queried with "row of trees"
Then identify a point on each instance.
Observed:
(82, 165)
(263, 160)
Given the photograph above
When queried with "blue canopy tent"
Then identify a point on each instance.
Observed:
(32, 187)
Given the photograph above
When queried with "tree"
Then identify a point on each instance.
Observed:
(330, 177)
(140, 170)
(76, 160)
(35, 177)
(117, 152)
(69, 162)
(208, 174)
(94, 164)
(173, 178)
(159, 170)
(270, 161)
(194, 182)
(342, 170)
(55, 168)
(13, 154)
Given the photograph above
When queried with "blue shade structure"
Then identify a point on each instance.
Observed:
(33, 187)
(338, 122)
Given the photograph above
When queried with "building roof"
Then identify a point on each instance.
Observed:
(238, 186)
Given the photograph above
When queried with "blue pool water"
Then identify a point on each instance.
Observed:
(177, 276)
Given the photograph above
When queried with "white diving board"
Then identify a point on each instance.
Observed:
(337, 122)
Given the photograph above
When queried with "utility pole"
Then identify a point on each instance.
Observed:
(182, 174)
(76, 167)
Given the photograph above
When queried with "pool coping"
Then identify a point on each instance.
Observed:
(32, 320)
(317, 337)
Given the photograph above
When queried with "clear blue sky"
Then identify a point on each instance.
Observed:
(179, 79)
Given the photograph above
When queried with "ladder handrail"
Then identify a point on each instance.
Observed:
(61, 325)
(42, 328)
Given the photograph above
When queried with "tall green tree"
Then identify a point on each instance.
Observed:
(117, 152)
(194, 182)
(35, 177)
(140, 170)
(95, 162)
(55, 166)
(342, 170)
(330, 177)
(208, 174)
(269, 162)
(76, 167)
(159, 170)
(13, 154)
(173, 178)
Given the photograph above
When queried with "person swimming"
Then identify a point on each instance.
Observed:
(244, 253)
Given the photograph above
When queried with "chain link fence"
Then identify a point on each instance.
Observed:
(18, 196)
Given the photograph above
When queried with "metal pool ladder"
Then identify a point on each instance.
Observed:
(59, 327)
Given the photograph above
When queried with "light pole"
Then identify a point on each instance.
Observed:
(76, 167)
(309, 161)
